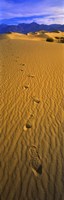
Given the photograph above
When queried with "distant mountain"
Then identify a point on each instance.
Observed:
(32, 27)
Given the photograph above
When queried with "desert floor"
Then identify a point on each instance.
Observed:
(32, 119)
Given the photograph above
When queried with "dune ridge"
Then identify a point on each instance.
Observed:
(40, 35)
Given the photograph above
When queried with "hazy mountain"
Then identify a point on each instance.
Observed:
(32, 27)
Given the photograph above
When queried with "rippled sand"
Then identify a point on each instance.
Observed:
(32, 120)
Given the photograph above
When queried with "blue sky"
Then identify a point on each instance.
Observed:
(27, 11)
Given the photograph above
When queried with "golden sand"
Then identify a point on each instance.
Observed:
(32, 119)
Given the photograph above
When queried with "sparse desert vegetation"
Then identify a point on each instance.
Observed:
(56, 31)
(49, 39)
(56, 37)
(61, 40)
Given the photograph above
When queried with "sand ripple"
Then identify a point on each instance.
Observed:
(31, 92)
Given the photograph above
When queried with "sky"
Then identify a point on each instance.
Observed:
(28, 11)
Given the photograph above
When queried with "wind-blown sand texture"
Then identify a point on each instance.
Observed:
(32, 119)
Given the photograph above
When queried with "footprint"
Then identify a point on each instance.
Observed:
(26, 86)
(31, 76)
(21, 70)
(36, 100)
(23, 64)
(35, 160)
(27, 126)
(29, 123)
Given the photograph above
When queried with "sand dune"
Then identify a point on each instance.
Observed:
(32, 119)
(40, 35)
(56, 36)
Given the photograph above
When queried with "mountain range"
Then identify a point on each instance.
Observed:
(32, 27)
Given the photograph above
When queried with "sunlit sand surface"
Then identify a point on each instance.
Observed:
(32, 118)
